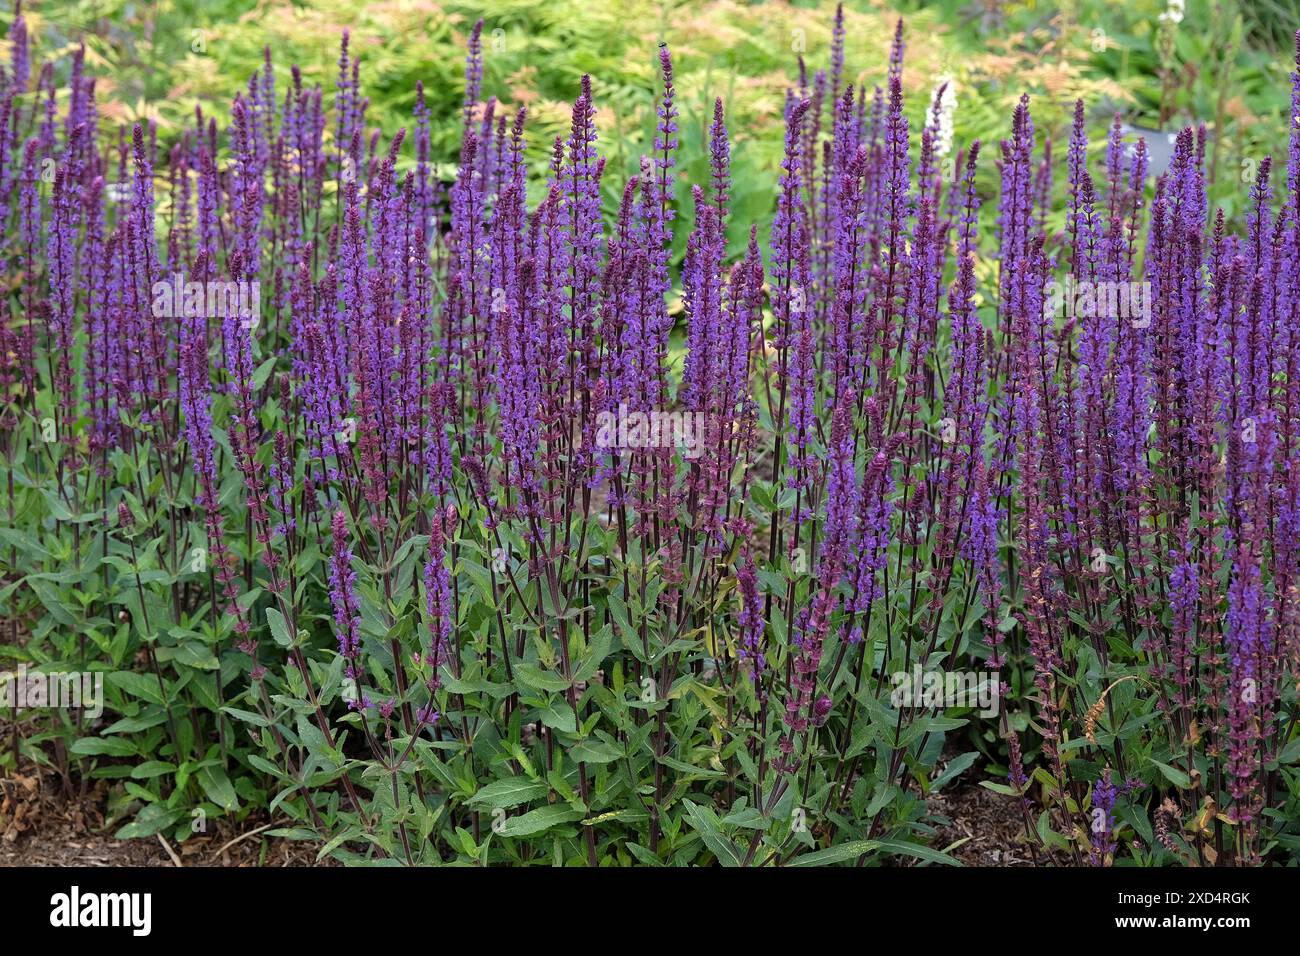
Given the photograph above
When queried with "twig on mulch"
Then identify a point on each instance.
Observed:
(168, 847)
(244, 836)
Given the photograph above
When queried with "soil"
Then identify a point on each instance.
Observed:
(44, 824)
(988, 822)
(991, 825)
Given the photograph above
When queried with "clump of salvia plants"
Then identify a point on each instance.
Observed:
(442, 523)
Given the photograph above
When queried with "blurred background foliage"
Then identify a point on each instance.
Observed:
(1163, 65)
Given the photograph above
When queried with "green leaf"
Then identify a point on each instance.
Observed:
(1290, 753)
(643, 855)
(264, 765)
(539, 820)
(618, 610)
(217, 786)
(103, 746)
(955, 767)
(595, 752)
(482, 580)
(144, 686)
(247, 716)
(835, 854)
(198, 655)
(560, 717)
(510, 792)
(705, 822)
(918, 851)
(263, 373)
(1175, 776)
(152, 768)
(530, 675)
(691, 771)
(149, 821)
(279, 627)
(1001, 788)
(456, 686)
(597, 651)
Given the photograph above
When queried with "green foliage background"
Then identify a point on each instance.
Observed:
(1224, 64)
(1227, 67)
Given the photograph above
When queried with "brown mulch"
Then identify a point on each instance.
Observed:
(43, 824)
(991, 824)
